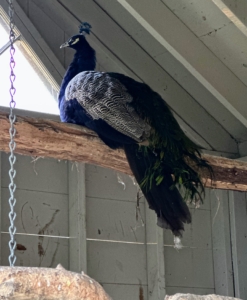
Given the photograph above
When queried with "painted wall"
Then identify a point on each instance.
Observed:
(86, 218)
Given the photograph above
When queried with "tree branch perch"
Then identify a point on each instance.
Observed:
(42, 137)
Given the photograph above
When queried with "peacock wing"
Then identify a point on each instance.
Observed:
(104, 97)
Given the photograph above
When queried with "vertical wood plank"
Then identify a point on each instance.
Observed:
(152, 260)
(234, 244)
(155, 257)
(238, 223)
(161, 264)
(221, 240)
(77, 218)
(1, 207)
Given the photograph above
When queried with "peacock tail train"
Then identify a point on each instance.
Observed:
(161, 168)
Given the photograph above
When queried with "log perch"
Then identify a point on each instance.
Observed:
(46, 138)
(50, 284)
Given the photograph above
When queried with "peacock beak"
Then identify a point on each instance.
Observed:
(66, 44)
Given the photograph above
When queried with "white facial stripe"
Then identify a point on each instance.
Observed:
(75, 41)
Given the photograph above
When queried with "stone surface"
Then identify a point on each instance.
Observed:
(50, 284)
(198, 297)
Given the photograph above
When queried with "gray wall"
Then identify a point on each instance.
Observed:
(89, 221)
(42, 209)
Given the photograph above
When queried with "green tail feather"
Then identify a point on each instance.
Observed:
(172, 149)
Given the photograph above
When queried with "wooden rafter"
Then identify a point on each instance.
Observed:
(42, 137)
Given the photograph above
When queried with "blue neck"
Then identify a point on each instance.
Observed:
(83, 61)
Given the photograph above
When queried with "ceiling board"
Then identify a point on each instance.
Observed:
(169, 30)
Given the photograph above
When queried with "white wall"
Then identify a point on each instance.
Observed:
(42, 209)
(90, 221)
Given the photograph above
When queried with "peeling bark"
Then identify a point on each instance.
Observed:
(50, 284)
(42, 137)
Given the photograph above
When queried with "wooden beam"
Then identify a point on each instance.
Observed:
(42, 137)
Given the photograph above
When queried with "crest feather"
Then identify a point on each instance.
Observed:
(85, 28)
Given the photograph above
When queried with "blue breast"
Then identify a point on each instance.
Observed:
(72, 112)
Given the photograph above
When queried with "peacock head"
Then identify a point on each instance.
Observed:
(78, 41)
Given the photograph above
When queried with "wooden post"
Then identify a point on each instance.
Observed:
(77, 218)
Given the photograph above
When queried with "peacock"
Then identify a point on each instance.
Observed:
(129, 115)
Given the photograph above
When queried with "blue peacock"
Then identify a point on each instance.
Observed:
(129, 115)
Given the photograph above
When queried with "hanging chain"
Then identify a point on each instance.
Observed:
(12, 145)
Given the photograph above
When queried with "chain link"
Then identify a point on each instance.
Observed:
(12, 132)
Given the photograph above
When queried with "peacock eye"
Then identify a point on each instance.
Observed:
(75, 41)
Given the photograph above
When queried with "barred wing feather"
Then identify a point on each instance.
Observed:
(104, 97)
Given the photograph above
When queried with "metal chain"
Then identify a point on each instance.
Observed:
(12, 144)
